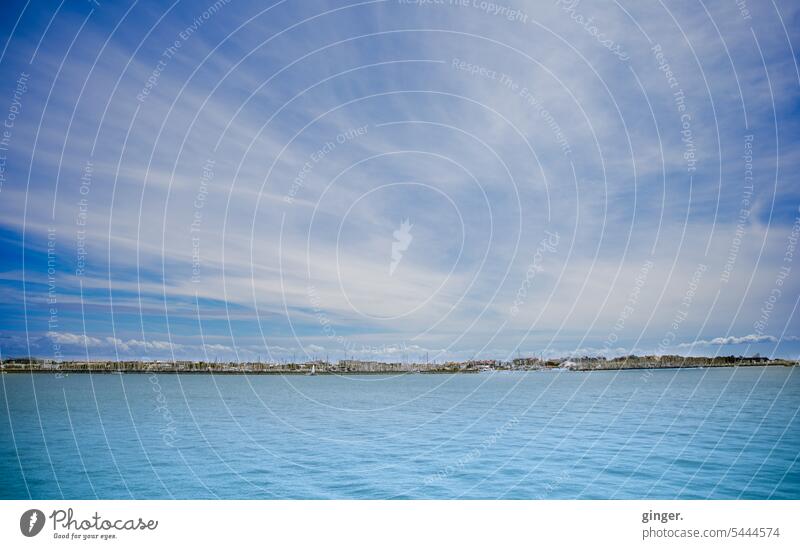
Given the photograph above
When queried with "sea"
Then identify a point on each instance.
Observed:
(721, 433)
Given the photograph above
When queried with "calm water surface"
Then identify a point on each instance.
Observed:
(715, 433)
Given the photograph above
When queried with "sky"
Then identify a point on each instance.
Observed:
(398, 180)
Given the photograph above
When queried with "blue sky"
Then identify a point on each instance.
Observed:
(230, 180)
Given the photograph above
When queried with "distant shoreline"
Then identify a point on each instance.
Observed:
(352, 367)
(328, 374)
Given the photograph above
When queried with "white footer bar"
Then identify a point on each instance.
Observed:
(400, 524)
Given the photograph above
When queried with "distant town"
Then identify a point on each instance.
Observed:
(321, 367)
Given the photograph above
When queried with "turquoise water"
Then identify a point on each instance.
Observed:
(715, 433)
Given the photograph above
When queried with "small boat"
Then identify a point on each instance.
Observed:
(313, 371)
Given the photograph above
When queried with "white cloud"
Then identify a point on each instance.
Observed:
(218, 348)
(738, 340)
(65, 338)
